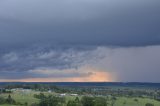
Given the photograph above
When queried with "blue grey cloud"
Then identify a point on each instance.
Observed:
(138, 64)
(69, 34)
(80, 22)
(34, 62)
(53, 57)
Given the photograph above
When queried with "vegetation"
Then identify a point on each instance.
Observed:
(50, 95)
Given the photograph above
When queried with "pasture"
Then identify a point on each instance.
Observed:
(28, 97)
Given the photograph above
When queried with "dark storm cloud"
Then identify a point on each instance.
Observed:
(53, 57)
(87, 22)
(138, 64)
(24, 63)
(58, 35)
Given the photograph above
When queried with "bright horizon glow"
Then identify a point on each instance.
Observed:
(95, 77)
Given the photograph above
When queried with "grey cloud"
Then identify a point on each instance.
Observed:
(18, 63)
(68, 34)
(10, 57)
(37, 73)
(57, 58)
(138, 64)
(80, 22)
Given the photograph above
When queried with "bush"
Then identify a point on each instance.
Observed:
(149, 104)
(51, 101)
(39, 96)
(87, 101)
(26, 104)
(100, 101)
(9, 100)
(34, 104)
(73, 103)
(136, 100)
(2, 100)
(77, 100)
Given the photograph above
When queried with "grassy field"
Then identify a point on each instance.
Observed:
(22, 97)
(28, 97)
(131, 102)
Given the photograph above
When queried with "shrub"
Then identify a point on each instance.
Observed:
(87, 101)
(2, 100)
(149, 104)
(9, 100)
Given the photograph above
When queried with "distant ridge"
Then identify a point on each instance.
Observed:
(107, 84)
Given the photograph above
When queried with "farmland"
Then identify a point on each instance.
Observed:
(37, 95)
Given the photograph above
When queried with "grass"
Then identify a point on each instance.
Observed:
(123, 101)
(28, 97)
(22, 97)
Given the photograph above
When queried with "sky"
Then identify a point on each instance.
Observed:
(80, 40)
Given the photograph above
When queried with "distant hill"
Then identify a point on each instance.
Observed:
(106, 84)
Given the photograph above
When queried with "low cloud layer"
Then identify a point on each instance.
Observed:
(117, 64)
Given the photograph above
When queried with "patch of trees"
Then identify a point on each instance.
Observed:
(5, 91)
(93, 101)
(39, 96)
(93, 90)
(75, 102)
(49, 100)
(2, 100)
(149, 104)
(9, 100)
(88, 101)
(52, 101)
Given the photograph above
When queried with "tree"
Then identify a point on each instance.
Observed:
(39, 96)
(113, 99)
(34, 104)
(2, 100)
(72, 103)
(77, 100)
(9, 100)
(149, 104)
(136, 100)
(51, 101)
(124, 103)
(87, 101)
(26, 104)
(100, 101)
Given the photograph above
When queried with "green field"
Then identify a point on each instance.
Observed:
(23, 97)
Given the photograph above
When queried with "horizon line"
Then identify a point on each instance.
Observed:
(75, 82)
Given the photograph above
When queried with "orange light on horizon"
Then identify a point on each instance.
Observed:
(95, 76)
